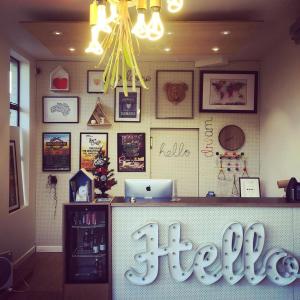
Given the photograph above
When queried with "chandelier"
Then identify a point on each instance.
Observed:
(113, 35)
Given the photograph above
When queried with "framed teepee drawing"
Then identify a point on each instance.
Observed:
(98, 117)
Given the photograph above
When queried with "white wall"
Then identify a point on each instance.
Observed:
(49, 229)
(280, 116)
(17, 230)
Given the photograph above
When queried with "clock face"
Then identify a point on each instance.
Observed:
(232, 137)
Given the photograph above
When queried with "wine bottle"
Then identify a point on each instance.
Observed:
(102, 246)
(86, 242)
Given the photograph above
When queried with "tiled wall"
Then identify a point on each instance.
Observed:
(49, 229)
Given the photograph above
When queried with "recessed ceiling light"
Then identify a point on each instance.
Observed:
(169, 33)
(57, 32)
(226, 32)
(215, 49)
(167, 49)
(72, 49)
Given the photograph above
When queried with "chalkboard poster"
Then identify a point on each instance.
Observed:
(131, 152)
(56, 151)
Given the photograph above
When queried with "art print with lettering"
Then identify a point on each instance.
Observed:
(128, 108)
(131, 152)
(90, 145)
(56, 151)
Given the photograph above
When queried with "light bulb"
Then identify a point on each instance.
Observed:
(140, 28)
(175, 6)
(94, 46)
(102, 21)
(155, 27)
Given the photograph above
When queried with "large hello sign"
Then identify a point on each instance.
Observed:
(241, 256)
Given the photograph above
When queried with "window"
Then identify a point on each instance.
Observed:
(14, 92)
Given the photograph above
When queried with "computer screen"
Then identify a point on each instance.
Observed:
(160, 189)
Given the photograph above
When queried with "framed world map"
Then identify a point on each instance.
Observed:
(228, 91)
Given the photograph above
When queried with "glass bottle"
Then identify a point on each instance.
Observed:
(102, 246)
(86, 240)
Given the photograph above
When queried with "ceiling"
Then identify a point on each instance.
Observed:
(255, 26)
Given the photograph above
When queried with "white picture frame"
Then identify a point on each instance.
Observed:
(60, 109)
(249, 187)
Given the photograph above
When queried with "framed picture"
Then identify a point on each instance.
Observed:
(228, 91)
(14, 198)
(131, 152)
(95, 83)
(56, 151)
(174, 94)
(128, 108)
(250, 187)
(60, 109)
(90, 144)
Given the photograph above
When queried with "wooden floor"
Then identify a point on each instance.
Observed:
(45, 280)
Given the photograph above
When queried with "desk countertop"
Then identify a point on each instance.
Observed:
(208, 202)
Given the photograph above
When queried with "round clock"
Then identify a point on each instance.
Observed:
(231, 137)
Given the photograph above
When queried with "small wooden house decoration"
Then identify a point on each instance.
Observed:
(59, 80)
(81, 187)
(98, 117)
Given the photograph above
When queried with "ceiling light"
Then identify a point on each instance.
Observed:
(167, 49)
(215, 49)
(57, 33)
(72, 49)
(169, 33)
(226, 32)
(113, 35)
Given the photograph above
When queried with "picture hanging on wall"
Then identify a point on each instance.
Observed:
(95, 82)
(174, 94)
(56, 151)
(131, 152)
(228, 91)
(128, 108)
(90, 145)
(60, 109)
(14, 199)
(59, 80)
(250, 187)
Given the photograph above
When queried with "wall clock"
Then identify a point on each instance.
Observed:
(231, 137)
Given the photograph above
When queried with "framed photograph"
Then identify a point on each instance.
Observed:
(250, 187)
(131, 152)
(14, 198)
(228, 91)
(60, 109)
(95, 83)
(56, 151)
(90, 145)
(174, 94)
(128, 108)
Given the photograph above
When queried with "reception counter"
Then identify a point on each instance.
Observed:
(177, 249)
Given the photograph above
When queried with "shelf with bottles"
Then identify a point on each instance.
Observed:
(102, 225)
(80, 252)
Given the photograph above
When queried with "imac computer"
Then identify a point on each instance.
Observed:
(156, 189)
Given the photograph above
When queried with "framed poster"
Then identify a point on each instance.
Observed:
(63, 109)
(90, 144)
(174, 94)
(95, 83)
(56, 151)
(127, 108)
(250, 187)
(14, 198)
(131, 152)
(228, 91)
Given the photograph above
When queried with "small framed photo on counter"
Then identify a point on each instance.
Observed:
(250, 187)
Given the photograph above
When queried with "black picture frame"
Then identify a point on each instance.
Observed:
(14, 195)
(86, 160)
(53, 160)
(57, 113)
(240, 86)
(128, 108)
(92, 87)
(131, 159)
(249, 187)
